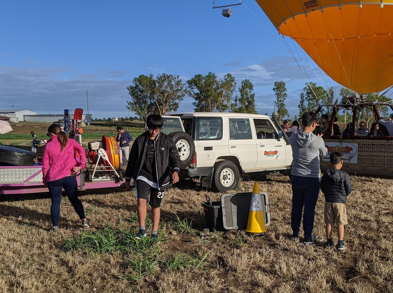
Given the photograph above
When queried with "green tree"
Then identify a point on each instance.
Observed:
(246, 102)
(169, 92)
(202, 89)
(281, 95)
(211, 94)
(314, 96)
(330, 96)
(224, 91)
(302, 105)
(344, 93)
(367, 113)
(142, 93)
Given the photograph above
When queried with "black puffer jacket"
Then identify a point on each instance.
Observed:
(336, 185)
(166, 156)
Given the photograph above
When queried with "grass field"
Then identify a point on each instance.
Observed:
(20, 136)
(107, 258)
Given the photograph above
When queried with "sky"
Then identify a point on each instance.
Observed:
(53, 51)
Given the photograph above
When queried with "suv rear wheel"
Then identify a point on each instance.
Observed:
(185, 146)
(226, 176)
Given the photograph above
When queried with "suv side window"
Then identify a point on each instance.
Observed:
(208, 128)
(239, 129)
(264, 129)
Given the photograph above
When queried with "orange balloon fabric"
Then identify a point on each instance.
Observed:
(351, 41)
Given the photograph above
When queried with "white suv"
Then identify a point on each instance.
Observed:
(228, 144)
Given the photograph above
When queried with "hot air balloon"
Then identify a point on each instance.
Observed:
(350, 40)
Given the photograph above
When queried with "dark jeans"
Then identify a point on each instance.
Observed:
(305, 193)
(71, 189)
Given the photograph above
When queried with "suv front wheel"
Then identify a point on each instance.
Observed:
(226, 176)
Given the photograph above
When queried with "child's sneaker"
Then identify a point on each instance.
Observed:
(155, 238)
(341, 246)
(142, 233)
(329, 245)
(85, 224)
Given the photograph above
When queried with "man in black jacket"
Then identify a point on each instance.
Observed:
(152, 156)
(336, 185)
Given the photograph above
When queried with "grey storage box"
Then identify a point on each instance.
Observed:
(233, 210)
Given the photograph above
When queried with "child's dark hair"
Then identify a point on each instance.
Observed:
(154, 121)
(295, 123)
(335, 158)
(119, 128)
(325, 116)
(61, 135)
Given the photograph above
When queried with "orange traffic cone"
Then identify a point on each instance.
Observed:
(256, 221)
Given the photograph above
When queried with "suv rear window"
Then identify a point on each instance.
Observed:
(239, 129)
(208, 128)
(171, 125)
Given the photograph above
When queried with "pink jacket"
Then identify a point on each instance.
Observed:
(57, 163)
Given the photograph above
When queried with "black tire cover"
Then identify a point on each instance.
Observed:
(12, 156)
(185, 146)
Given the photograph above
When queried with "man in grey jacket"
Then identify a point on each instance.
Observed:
(306, 150)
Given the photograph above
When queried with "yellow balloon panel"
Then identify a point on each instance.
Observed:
(353, 44)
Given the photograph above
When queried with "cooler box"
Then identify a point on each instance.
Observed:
(232, 211)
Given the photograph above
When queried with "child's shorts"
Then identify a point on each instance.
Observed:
(143, 189)
(335, 213)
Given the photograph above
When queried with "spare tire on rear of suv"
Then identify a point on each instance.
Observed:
(185, 146)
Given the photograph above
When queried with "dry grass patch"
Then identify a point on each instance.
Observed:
(107, 258)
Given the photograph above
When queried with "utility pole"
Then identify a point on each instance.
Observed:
(87, 97)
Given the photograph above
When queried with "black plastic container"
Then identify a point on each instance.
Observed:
(213, 213)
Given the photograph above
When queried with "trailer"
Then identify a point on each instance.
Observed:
(21, 172)
(28, 179)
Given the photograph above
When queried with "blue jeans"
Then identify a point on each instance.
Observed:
(71, 189)
(305, 193)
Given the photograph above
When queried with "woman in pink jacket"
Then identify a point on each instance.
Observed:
(59, 167)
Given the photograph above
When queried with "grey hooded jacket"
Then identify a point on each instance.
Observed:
(306, 149)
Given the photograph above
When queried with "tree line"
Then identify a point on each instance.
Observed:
(164, 93)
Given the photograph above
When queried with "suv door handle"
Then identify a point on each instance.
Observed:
(233, 146)
(262, 145)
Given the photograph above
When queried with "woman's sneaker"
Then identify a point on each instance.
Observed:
(85, 224)
(142, 233)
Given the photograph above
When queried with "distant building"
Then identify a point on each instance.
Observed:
(51, 118)
(30, 116)
(16, 115)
